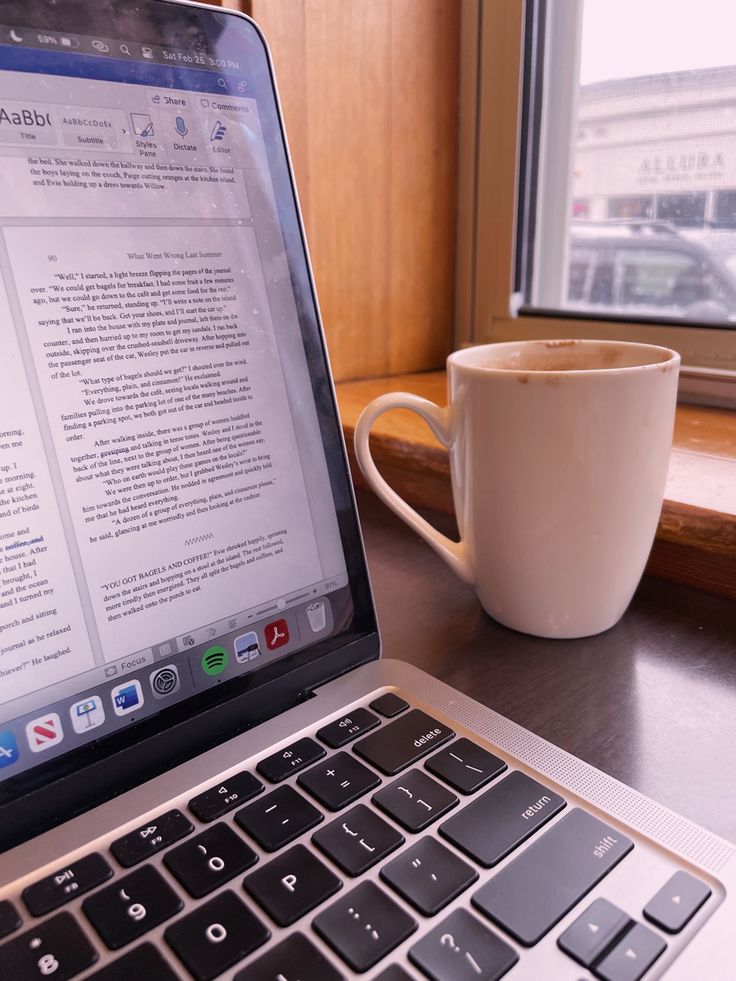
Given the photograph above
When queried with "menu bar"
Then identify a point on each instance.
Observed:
(27, 37)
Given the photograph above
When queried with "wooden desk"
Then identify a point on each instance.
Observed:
(652, 701)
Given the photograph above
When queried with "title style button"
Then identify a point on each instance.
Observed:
(401, 743)
(150, 838)
(53, 891)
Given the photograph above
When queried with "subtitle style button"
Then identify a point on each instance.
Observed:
(397, 745)
(294, 758)
(677, 902)
(63, 886)
(151, 838)
(232, 792)
(56, 948)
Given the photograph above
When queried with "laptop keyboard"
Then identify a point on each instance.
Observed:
(386, 788)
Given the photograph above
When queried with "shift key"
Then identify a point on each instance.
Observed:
(535, 890)
(399, 744)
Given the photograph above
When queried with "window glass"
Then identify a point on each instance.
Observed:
(648, 154)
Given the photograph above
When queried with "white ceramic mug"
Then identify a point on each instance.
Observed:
(558, 457)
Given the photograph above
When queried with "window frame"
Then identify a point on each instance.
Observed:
(493, 203)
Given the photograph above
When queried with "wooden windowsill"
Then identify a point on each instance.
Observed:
(696, 538)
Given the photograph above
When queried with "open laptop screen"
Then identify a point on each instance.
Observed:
(169, 459)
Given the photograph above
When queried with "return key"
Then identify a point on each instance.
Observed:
(507, 814)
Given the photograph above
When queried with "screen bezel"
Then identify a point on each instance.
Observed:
(55, 791)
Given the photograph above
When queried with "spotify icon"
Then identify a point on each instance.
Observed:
(214, 660)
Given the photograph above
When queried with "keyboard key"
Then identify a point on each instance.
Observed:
(232, 792)
(349, 727)
(461, 948)
(55, 949)
(389, 705)
(632, 957)
(504, 816)
(292, 884)
(294, 758)
(278, 818)
(677, 902)
(130, 907)
(465, 766)
(9, 919)
(597, 929)
(393, 973)
(415, 800)
(151, 838)
(399, 744)
(53, 891)
(145, 963)
(294, 957)
(215, 936)
(364, 926)
(357, 840)
(210, 859)
(338, 781)
(536, 889)
(428, 875)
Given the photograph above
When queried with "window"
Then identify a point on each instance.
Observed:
(598, 177)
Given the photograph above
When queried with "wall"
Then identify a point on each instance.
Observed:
(369, 92)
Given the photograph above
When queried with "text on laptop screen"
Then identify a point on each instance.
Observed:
(166, 516)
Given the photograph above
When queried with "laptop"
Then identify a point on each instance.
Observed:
(206, 770)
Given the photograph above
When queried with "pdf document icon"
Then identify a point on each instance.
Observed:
(276, 634)
(44, 732)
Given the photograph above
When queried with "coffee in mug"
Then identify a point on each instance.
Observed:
(558, 458)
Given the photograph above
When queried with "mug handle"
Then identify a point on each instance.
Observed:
(438, 420)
